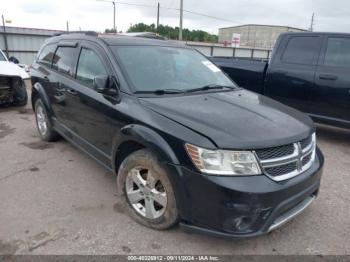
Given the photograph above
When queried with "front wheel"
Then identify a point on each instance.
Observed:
(45, 129)
(147, 190)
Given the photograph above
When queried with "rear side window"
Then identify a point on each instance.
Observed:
(338, 52)
(65, 59)
(301, 50)
(89, 66)
(46, 54)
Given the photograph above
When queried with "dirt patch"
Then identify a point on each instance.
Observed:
(41, 145)
(25, 111)
(119, 208)
(25, 118)
(155, 246)
(126, 249)
(88, 208)
(34, 169)
(6, 130)
(8, 248)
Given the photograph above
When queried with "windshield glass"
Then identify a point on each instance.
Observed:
(151, 68)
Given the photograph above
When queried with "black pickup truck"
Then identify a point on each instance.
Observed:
(308, 71)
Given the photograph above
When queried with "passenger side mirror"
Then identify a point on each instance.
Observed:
(106, 85)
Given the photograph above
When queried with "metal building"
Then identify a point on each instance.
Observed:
(256, 36)
(23, 43)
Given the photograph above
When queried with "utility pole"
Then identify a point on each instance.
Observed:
(67, 26)
(114, 6)
(181, 18)
(158, 16)
(114, 27)
(312, 22)
(5, 37)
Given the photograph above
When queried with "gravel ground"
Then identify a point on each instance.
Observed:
(56, 200)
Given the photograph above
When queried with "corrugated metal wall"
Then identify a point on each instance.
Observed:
(24, 43)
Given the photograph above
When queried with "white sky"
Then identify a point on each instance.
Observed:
(93, 15)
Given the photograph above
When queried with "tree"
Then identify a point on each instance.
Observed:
(173, 32)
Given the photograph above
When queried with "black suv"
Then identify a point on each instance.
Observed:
(187, 144)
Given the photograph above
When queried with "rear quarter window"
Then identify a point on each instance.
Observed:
(338, 52)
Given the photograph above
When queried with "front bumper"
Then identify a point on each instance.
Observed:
(244, 206)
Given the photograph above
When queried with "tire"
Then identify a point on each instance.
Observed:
(47, 133)
(146, 191)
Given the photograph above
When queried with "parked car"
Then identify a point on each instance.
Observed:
(12, 83)
(307, 71)
(186, 143)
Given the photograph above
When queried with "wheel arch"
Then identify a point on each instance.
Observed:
(136, 137)
(38, 91)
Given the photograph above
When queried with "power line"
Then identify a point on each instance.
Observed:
(174, 9)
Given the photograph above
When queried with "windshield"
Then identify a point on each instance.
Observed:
(151, 68)
(2, 57)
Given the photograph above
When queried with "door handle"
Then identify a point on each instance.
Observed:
(328, 77)
(46, 78)
(72, 92)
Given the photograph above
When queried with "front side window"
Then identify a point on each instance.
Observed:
(89, 66)
(65, 59)
(46, 55)
(338, 52)
(151, 68)
(301, 50)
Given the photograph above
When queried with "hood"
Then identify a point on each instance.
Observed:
(236, 119)
(11, 69)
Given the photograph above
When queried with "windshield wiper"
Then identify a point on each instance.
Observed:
(210, 87)
(161, 91)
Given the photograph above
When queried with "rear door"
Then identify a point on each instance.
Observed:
(62, 79)
(333, 80)
(291, 73)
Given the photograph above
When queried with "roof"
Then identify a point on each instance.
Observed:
(114, 40)
(279, 26)
(317, 33)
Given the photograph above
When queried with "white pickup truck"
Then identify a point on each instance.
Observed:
(13, 80)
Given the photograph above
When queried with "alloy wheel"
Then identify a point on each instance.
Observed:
(41, 120)
(145, 193)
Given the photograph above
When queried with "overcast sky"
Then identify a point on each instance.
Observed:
(330, 15)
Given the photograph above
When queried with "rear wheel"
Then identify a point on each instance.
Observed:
(147, 191)
(45, 129)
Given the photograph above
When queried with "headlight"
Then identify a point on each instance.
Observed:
(222, 162)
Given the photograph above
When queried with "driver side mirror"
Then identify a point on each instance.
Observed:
(106, 85)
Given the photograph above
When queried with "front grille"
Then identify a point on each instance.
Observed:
(306, 159)
(5, 90)
(281, 170)
(305, 142)
(275, 152)
(284, 162)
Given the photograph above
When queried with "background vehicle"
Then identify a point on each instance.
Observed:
(12, 83)
(186, 143)
(308, 71)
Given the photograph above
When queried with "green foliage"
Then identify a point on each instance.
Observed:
(110, 31)
(173, 32)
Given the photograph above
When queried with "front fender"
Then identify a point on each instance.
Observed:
(146, 137)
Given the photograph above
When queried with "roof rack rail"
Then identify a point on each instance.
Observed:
(90, 33)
